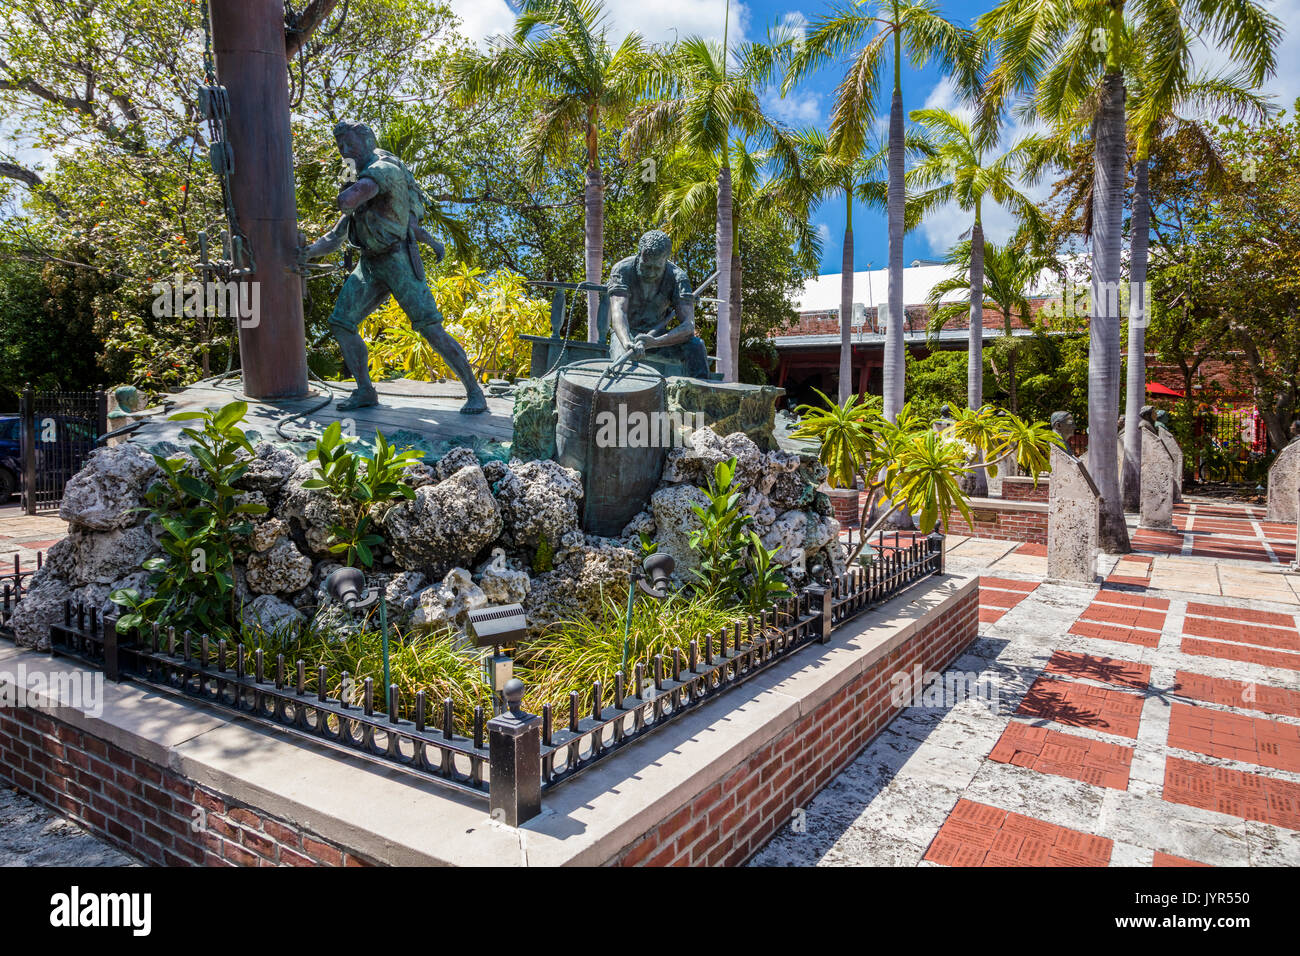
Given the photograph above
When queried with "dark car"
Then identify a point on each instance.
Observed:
(62, 445)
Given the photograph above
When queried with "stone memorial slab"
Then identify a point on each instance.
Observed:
(1284, 485)
(1157, 499)
(1073, 514)
(1176, 453)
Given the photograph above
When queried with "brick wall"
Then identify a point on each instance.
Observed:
(1001, 524)
(1016, 488)
(151, 812)
(732, 819)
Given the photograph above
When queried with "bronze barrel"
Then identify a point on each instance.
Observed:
(610, 427)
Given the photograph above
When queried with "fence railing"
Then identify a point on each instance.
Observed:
(13, 584)
(59, 431)
(514, 757)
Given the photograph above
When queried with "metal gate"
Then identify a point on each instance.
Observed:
(59, 431)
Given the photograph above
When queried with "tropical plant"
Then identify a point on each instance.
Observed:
(1069, 59)
(703, 104)
(560, 48)
(765, 583)
(487, 319)
(908, 465)
(720, 542)
(866, 33)
(857, 177)
(201, 518)
(957, 169)
(363, 488)
(572, 654)
(1011, 276)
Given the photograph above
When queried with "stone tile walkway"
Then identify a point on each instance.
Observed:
(22, 536)
(1153, 720)
(31, 835)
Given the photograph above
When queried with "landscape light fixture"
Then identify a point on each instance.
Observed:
(497, 627)
(654, 577)
(347, 586)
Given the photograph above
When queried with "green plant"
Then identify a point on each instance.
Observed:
(363, 487)
(197, 507)
(433, 663)
(765, 583)
(720, 541)
(907, 464)
(572, 654)
(842, 430)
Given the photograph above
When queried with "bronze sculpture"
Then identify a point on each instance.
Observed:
(381, 217)
(646, 292)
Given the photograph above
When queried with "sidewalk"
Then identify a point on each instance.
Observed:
(1153, 720)
(22, 535)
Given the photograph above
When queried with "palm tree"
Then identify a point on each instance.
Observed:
(1068, 57)
(702, 105)
(958, 170)
(1158, 102)
(560, 49)
(867, 34)
(857, 177)
(1011, 274)
(690, 194)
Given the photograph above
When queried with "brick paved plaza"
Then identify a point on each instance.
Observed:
(1150, 721)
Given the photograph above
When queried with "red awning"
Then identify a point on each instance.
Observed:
(1155, 388)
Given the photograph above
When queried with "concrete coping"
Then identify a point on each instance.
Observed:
(1025, 480)
(1006, 504)
(394, 817)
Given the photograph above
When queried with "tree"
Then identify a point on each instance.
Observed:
(956, 169)
(866, 39)
(856, 177)
(702, 107)
(586, 83)
(1010, 275)
(1068, 58)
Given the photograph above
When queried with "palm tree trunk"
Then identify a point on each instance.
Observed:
(1103, 331)
(893, 358)
(1011, 363)
(724, 246)
(975, 354)
(594, 210)
(846, 308)
(737, 309)
(1131, 483)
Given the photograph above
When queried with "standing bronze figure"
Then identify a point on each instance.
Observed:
(381, 217)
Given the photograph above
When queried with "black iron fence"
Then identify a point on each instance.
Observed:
(13, 585)
(59, 431)
(512, 758)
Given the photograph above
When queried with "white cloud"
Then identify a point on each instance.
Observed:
(823, 233)
(661, 22)
(795, 109)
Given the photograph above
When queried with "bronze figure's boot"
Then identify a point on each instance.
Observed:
(356, 358)
(458, 361)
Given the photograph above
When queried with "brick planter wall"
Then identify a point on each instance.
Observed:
(148, 811)
(1017, 488)
(1003, 520)
(847, 508)
(732, 819)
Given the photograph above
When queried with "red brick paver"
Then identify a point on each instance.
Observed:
(1267, 743)
(1064, 755)
(1247, 796)
(979, 835)
(1080, 705)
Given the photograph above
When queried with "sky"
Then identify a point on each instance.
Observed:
(810, 103)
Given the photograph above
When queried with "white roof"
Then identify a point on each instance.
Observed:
(822, 293)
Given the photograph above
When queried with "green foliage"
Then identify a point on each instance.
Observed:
(434, 663)
(544, 559)
(721, 541)
(572, 654)
(908, 464)
(363, 487)
(765, 583)
(197, 509)
(842, 432)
